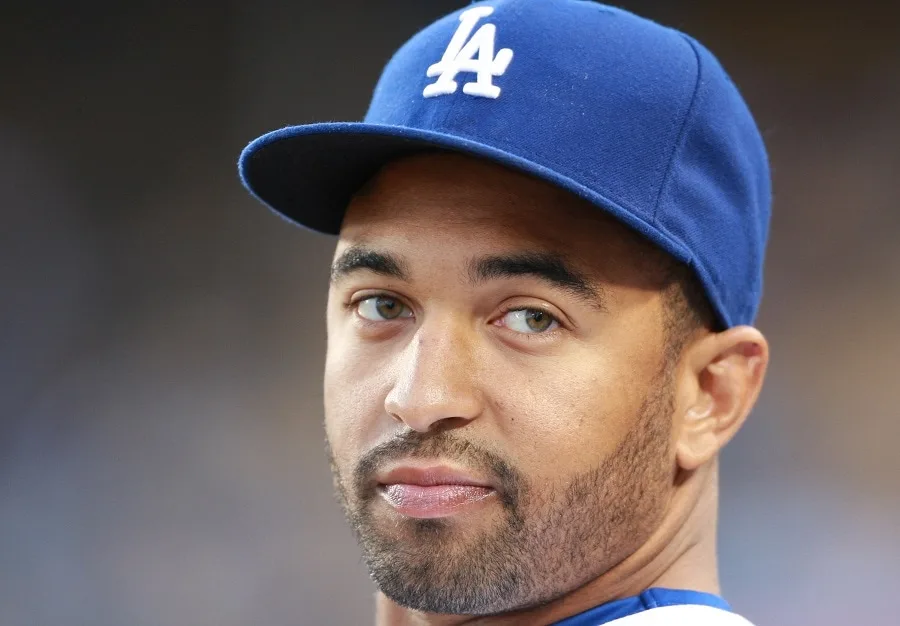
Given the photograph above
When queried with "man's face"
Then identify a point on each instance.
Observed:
(498, 404)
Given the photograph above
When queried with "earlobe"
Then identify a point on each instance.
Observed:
(726, 372)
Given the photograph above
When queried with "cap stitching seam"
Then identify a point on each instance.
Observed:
(682, 132)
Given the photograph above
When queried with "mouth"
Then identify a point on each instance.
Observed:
(434, 491)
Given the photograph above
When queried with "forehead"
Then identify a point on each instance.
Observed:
(457, 201)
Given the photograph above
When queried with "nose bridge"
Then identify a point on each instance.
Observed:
(436, 377)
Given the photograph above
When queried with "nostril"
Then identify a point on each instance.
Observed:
(449, 423)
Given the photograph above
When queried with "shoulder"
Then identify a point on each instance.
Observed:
(682, 615)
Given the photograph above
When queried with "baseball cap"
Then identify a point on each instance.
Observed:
(637, 118)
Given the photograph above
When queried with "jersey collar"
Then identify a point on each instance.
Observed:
(649, 599)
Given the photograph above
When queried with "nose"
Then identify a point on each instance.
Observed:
(436, 381)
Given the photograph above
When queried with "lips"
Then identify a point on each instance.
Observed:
(432, 492)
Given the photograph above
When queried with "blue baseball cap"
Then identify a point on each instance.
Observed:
(639, 119)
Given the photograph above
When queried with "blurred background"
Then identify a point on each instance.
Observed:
(162, 335)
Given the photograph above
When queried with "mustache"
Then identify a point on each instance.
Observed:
(440, 445)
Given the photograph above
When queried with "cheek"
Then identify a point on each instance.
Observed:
(573, 410)
(354, 390)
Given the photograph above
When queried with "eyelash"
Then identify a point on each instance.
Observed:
(354, 302)
(505, 310)
(509, 308)
(352, 305)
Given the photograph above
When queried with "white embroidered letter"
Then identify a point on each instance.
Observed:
(475, 55)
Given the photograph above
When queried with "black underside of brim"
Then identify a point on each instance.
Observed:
(310, 179)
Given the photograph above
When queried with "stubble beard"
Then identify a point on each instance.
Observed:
(547, 544)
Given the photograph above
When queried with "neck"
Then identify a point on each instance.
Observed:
(680, 554)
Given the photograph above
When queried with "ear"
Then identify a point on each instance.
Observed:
(722, 376)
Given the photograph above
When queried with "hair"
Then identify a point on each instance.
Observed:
(686, 307)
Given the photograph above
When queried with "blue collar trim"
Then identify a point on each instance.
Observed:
(649, 599)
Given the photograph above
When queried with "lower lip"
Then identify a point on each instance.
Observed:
(427, 502)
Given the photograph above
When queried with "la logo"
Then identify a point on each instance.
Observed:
(475, 54)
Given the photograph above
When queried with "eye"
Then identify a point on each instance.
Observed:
(382, 308)
(529, 321)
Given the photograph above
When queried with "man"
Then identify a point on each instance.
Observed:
(551, 232)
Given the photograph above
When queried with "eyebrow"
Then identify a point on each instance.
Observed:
(357, 258)
(550, 268)
(547, 267)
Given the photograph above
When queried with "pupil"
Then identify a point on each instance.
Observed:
(537, 320)
(387, 307)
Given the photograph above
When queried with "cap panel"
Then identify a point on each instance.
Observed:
(598, 93)
(717, 196)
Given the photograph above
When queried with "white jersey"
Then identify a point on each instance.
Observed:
(682, 615)
(660, 607)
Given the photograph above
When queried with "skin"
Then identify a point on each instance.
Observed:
(603, 449)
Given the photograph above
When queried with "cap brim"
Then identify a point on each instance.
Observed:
(308, 174)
